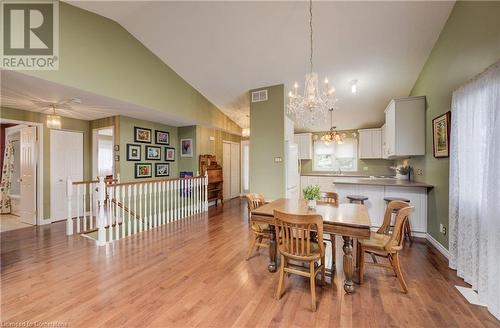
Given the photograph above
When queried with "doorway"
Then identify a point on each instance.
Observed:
(66, 160)
(102, 152)
(231, 169)
(21, 193)
(245, 167)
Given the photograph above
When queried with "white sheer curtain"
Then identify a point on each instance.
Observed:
(475, 186)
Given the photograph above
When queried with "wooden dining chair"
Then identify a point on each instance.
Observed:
(330, 198)
(383, 244)
(295, 243)
(259, 231)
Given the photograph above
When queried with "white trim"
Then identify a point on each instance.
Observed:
(39, 174)
(438, 246)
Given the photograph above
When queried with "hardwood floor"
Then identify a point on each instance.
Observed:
(194, 273)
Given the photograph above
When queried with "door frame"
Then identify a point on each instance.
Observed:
(95, 156)
(39, 167)
(234, 143)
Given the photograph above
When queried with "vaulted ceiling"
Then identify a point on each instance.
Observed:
(224, 49)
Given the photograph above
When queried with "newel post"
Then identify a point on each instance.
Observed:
(101, 197)
(206, 190)
(69, 219)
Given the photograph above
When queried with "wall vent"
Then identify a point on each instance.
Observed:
(260, 95)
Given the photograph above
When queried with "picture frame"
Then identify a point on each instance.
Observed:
(169, 154)
(441, 126)
(162, 137)
(117, 147)
(186, 147)
(117, 158)
(162, 169)
(143, 170)
(152, 153)
(142, 135)
(133, 152)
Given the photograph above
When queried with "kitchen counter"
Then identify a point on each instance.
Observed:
(362, 180)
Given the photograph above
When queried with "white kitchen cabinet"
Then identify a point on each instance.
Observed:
(370, 143)
(384, 143)
(418, 198)
(304, 142)
(405, 127)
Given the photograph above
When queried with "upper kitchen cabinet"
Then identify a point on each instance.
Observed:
(370, 143)
(404, 129)
(304, 143)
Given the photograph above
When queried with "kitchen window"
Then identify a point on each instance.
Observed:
(335, 157)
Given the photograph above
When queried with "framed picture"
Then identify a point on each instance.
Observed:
(143, 170)
(169, 154)
(162, 169)
(153, 153)
(117, 147)
(142, 135)
(162, 137)
(133, 152)
(441, 135)
(117, 158)
(186, 147)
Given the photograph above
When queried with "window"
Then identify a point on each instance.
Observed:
(334, 157)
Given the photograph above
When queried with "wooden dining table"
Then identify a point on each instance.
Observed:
(351, 221)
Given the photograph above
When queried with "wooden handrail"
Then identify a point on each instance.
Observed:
(126, 209)
(152, 181)
(92, 181)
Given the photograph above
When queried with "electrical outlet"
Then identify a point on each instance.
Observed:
(419, 172)
(365, 168)
(442, 229)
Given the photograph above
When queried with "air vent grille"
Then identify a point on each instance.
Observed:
(260, 95)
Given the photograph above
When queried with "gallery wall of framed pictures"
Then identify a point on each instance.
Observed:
(153, 152)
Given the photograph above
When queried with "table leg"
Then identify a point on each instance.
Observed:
(272, 249)
(348, 265)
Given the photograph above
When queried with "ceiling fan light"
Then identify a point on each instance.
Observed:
(54, 122)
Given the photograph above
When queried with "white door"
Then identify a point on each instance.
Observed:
(28, 160)
(231, 169)
(235, 170)
(66, 160)
(226, 169)
(245, 166)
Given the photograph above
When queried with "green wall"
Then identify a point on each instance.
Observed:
(126, 128)
(267, 141)
(213, 147)
(188, 163)
(468, 44)
(66, 124)
(100, 56)
(374, 166)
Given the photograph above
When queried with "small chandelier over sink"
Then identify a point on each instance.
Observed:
(311, 107)
(333, 135)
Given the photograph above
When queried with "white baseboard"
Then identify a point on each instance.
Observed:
(438, 246)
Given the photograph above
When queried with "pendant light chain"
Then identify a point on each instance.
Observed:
(311, 35)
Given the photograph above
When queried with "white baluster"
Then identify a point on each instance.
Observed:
(117, 212)
(123, 225)
(112, 211)
(140, 209)
(164, 202)
(129, 223)
(136, 216)
(150, 195)
(84, 207)
(78, 208)
(69, 217)
(176, 200)
(155, 206)
(101, 196)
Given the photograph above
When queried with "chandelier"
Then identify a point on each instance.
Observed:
(333, 135)
(311, 107)
(54, 120)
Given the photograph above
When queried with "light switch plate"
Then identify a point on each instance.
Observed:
(212, 138)
(278, 160)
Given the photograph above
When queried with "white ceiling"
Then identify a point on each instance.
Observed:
(26, 92)
(223, 49)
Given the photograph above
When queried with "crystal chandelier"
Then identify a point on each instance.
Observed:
(313, 106)
(333, 135)
(54, 120)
